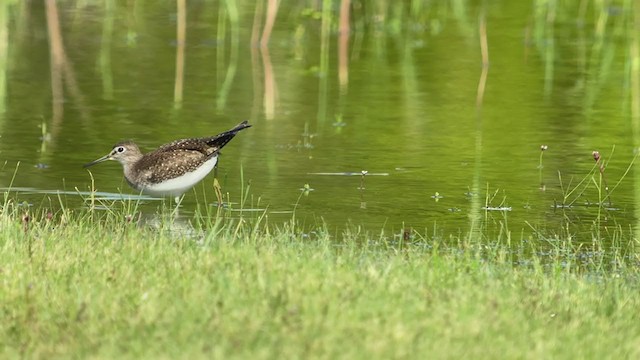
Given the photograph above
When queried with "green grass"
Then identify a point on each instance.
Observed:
(86, 284)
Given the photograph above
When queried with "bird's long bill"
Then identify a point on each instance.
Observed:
(104, 158)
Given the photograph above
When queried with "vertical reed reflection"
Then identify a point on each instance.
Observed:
(475, 228)
(269, 84)
(230, 73)
(343, 46)
(634, 54)
(324, 61)
(549, 59)
(132, 20)
(105, 51)
(255, 64)
(180, 47)
(4, 48)
(56, 59)
(221, 35)
(272, 11)
(61, 72)
(270, 89)
(484, 49)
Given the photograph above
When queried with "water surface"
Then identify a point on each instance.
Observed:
(398, 93)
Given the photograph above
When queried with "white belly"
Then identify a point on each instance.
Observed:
(179, 185)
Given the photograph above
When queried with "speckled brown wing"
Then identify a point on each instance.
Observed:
(173, 159)
(197, 145)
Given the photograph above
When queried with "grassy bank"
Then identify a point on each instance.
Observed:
(97, 285)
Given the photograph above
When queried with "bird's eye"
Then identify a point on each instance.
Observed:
(120, 149)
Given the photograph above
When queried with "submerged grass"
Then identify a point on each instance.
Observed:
(98, 284)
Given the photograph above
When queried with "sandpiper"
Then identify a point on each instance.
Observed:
(173, 168)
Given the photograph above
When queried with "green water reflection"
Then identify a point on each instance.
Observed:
(385, 87)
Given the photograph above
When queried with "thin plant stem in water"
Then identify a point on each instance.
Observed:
(543, 148)
(600, 164)
(363, 204)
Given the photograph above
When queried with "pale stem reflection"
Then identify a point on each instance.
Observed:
(255, 64)
(269, 84)
(4, 48)
(232, 11)
(272, 11)
(61, 72)
(180, 47)
(484, 48)
(343, 46)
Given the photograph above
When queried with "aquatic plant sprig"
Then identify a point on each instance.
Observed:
(569, 191)
(624, 175)
(570, 194)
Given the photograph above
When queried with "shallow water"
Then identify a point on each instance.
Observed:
(400, 96)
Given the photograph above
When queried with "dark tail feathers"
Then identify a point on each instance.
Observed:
(222, 139)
